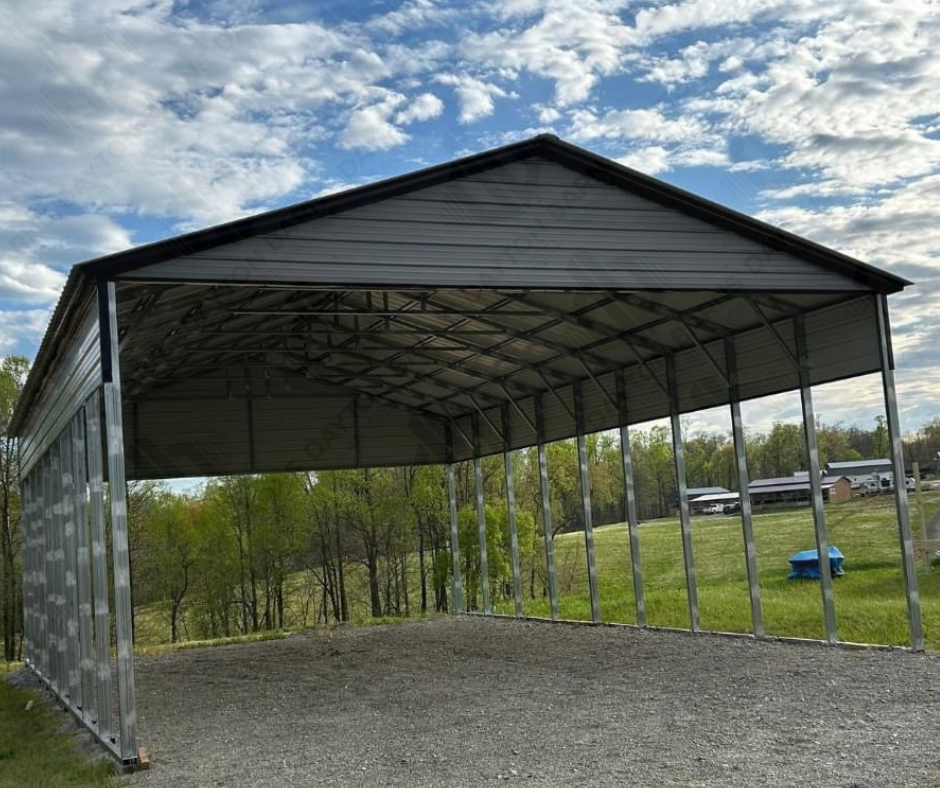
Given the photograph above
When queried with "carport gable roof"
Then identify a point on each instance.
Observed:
(545, 146)
(845, 278)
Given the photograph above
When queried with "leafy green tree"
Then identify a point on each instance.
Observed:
(13, 371)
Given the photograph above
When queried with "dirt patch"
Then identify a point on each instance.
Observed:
(471, 702)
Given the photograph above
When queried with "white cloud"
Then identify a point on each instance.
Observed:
(371, 129)
(547, 114)
(648, 124)
(29, 283)
(571, 44)
(124, 107)
(475, 96)
(414, 15)
(650, 160)
(424, 107)
(22, 326)
(846, 98)
(34, 248)
(374, 127)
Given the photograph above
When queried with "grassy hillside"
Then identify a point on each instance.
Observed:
(870, 603)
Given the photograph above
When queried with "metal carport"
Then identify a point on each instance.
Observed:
(526, 294)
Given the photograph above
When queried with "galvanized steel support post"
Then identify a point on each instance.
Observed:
(908, 560)
(99, 558)
(511, 513)
(629, 501)
(456, 581)
(815, 481)
(27, 579)
(73, 659)
(740, 459)
(481, 518)
(83, 568)
(58, 564)
(107, 306)
(685, 519)
(42, 517)
(585, 478)
(547, 529)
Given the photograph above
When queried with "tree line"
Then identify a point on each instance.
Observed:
(245, 554)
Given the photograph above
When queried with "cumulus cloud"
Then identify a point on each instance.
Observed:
(648, 124)
(370, 128)
(572, 44)
(377, 126)
(424, 107)
(21, 327)
(650, 160)
(36, 248)
(475, 95)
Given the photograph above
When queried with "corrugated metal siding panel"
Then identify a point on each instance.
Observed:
(315, 431)
(187, 438)
(598, 410)
(842, 340)
(202, 437)
(75, 378)
(509, 227)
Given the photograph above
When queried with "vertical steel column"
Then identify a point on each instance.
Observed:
(99, 558)
(815, 481)
(83, 568)
(43, 517)
(117, 488)
(547, 529)
(481, 518)
(740, 458)
(29, 489)
(685, 518)
(511, 513)
(908, 562)
(456, 580)
(27, 578)
(585, 478)
(58, 562)
(629, 500)
(73, 660)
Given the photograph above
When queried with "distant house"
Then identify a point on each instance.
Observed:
(703, 502)
(795, 490)
(865, 474)
(694, 493)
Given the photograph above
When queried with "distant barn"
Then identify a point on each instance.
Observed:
(861, 472)
(796, 490)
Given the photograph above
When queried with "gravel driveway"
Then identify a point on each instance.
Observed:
(469, 702)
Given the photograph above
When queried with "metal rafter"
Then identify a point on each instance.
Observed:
(578, 320)
(671, 314)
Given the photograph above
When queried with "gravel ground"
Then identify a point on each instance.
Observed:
(470, 702)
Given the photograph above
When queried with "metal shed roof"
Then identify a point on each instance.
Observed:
(862, 465)
(487, 296)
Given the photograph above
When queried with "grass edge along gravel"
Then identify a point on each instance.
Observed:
(37, 752)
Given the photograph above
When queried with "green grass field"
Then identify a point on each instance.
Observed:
(870, 604)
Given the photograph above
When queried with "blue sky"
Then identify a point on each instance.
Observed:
(124, 122)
